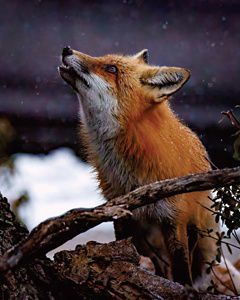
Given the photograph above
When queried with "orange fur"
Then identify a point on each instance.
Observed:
(148, 143)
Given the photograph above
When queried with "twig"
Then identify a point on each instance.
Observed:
(56, 231)
(234, 233)
(234, 121)
(220, 280)
(230, 275)
(223, 242)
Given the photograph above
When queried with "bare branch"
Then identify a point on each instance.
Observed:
(234, 121)
(56, 231)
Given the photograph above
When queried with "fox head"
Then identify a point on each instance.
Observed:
(115, 90)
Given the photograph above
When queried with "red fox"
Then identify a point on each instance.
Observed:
(133, 138)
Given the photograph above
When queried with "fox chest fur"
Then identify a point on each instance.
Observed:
(156, 148)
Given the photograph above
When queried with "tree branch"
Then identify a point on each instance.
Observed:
(234, 121)
(112, 271)
(55, 231)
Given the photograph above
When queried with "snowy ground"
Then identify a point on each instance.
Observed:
(55, 183)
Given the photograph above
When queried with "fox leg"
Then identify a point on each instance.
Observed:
(148, 239)
(124, 228)
(204, 252)
(176, 240)
(206, 248)
(165, 243)
(157, 241)
(194, 257)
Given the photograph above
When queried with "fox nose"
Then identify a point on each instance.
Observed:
(67, 51)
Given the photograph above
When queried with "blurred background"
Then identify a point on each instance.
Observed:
(40, 149)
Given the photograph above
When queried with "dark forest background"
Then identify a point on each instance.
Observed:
(203, 36)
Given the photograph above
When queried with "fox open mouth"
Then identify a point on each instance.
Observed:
(70, 76)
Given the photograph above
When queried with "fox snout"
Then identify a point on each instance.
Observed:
(73, 70)
(66, 51)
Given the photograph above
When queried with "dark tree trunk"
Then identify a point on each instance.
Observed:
(33, 279)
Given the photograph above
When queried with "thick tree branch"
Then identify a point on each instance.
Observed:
(55, 231)
(35, 280)
(112, 271)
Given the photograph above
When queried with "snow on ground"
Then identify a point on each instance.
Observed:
(55, 183)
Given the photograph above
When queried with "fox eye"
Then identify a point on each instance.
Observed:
(111, 69)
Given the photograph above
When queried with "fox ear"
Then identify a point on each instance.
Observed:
(142, 56)
(165, 80)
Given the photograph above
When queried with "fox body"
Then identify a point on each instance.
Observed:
(133, 138)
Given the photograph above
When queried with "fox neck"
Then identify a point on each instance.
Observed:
(156, 147)
(99, 125)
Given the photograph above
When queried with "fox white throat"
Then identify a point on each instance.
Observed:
(98, 106)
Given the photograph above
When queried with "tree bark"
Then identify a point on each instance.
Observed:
(94, 271)
(112, 271)
(33, 280)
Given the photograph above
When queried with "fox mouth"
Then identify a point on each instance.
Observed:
(70, 76)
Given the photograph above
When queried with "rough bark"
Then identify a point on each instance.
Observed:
(94, 271)
(35, 279)
(55, 231)
(111, 271)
